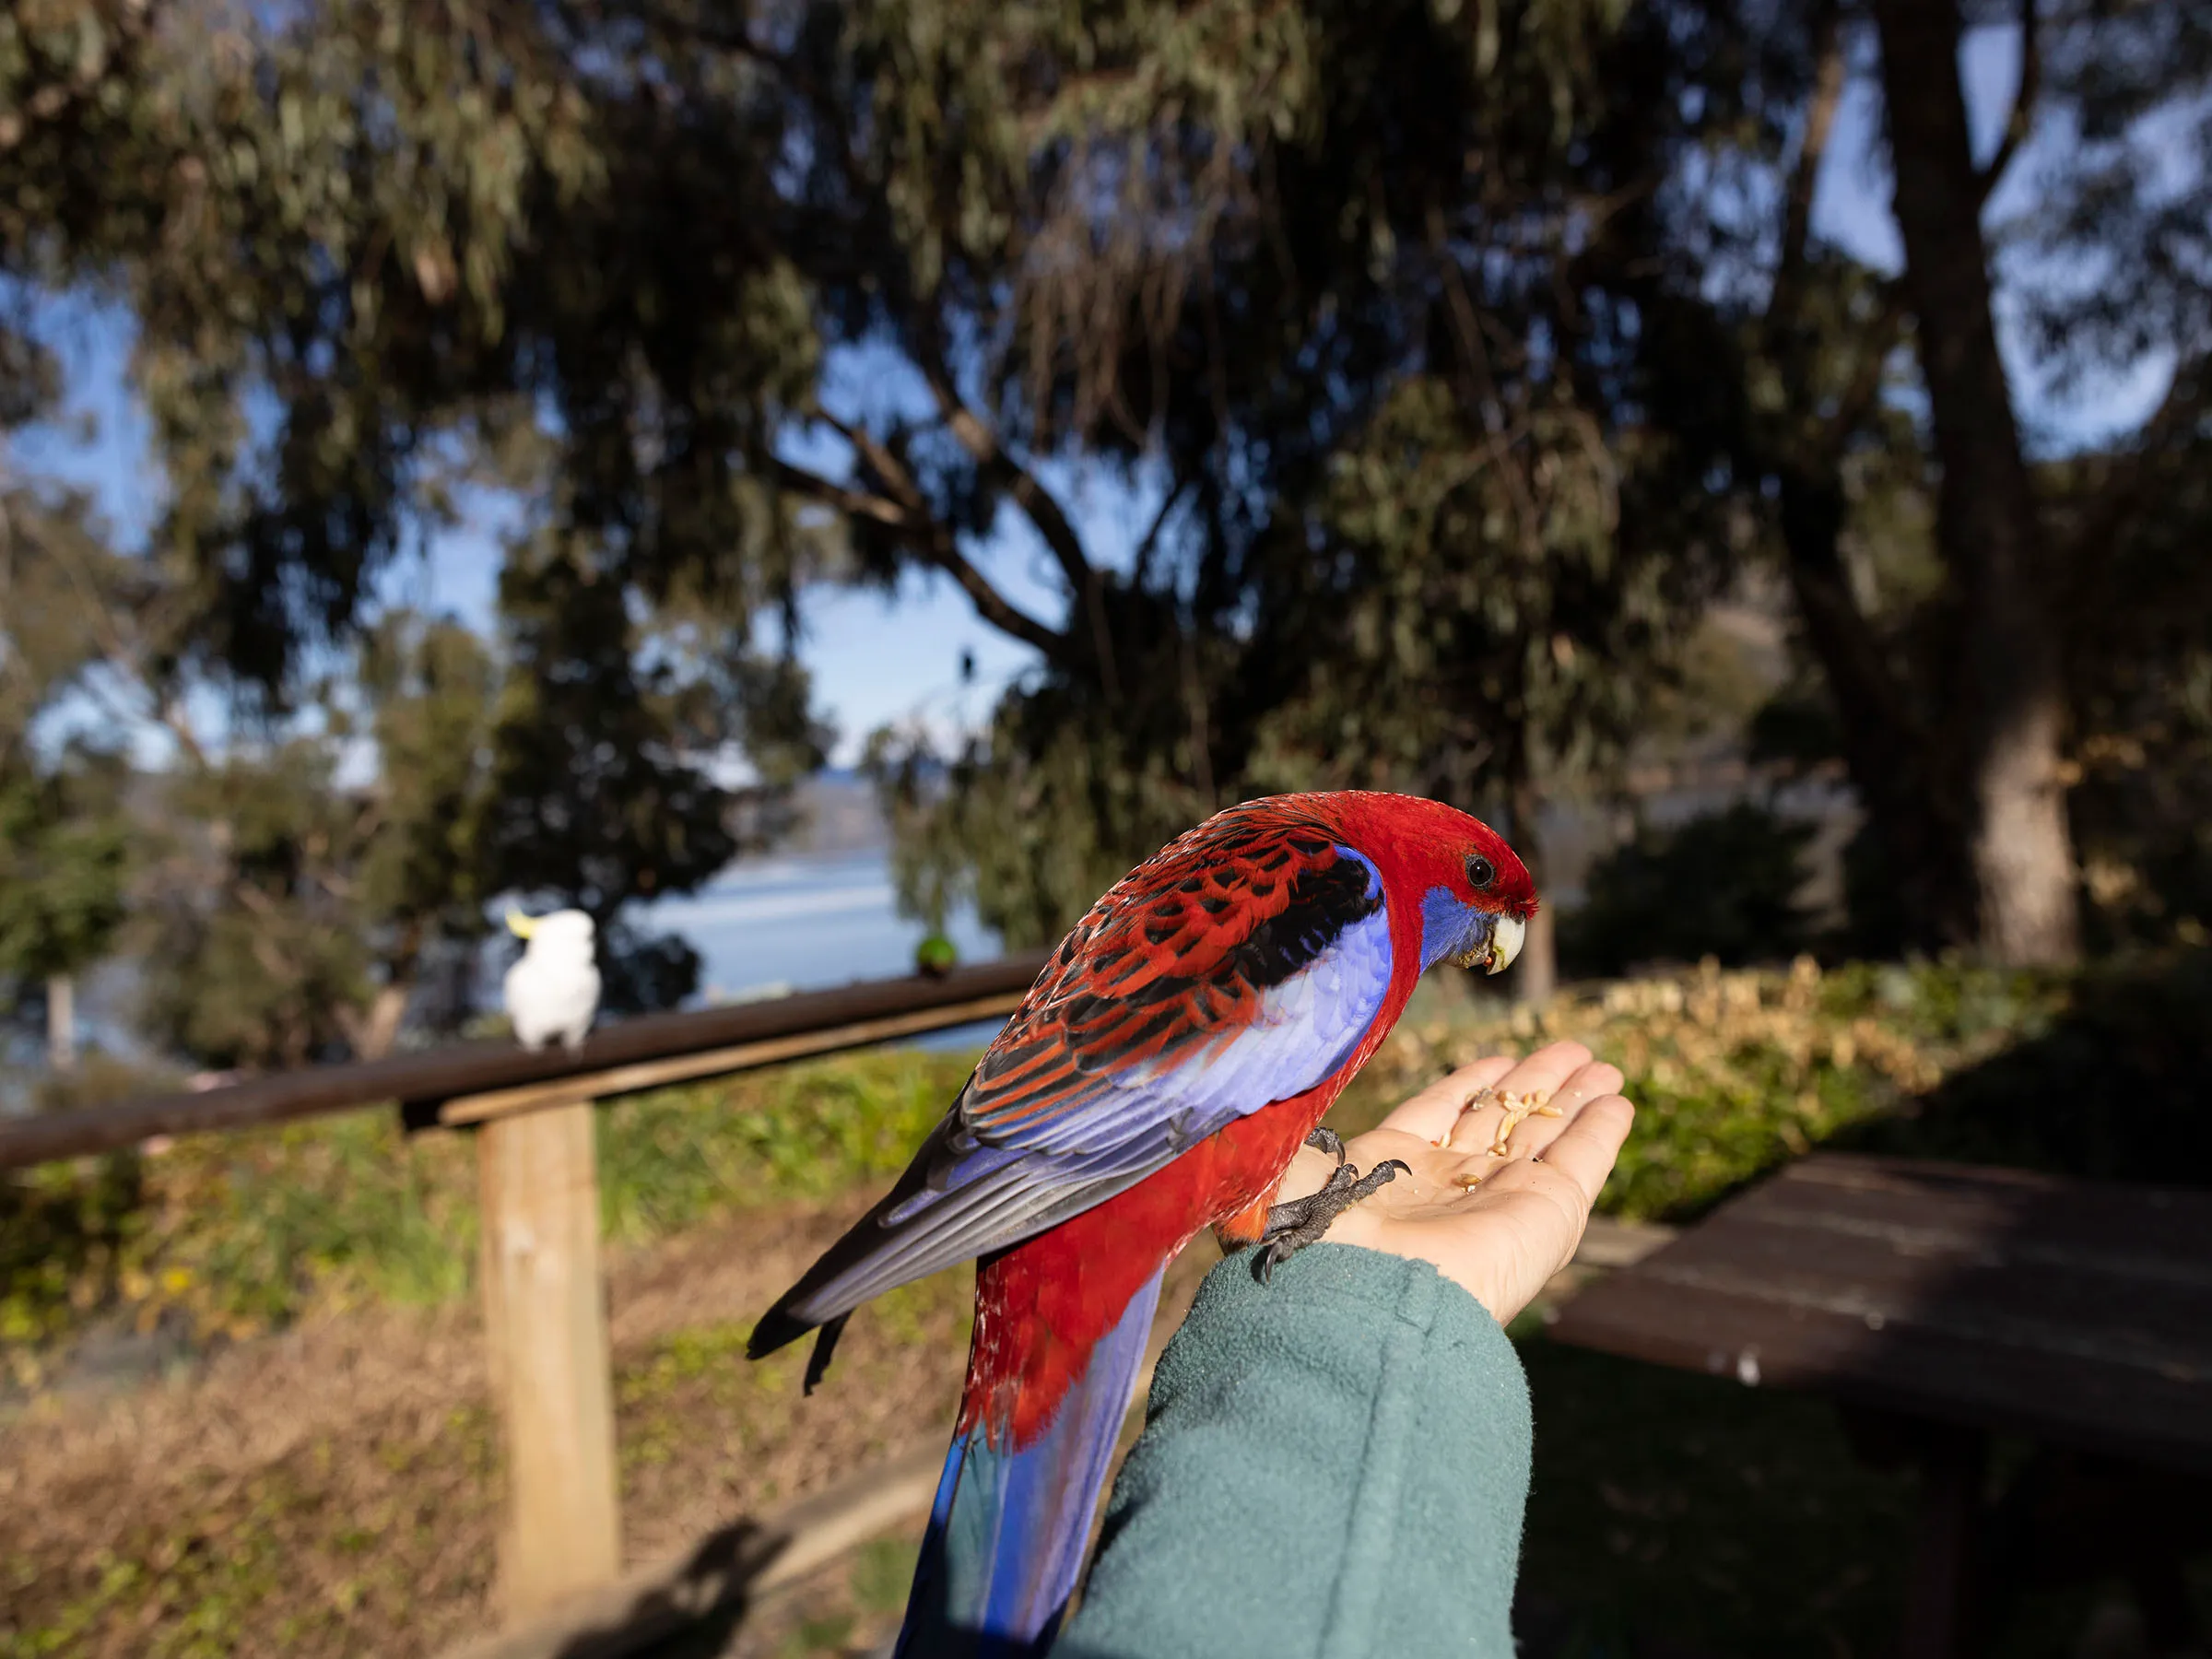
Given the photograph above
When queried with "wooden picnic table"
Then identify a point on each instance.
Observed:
(1938, 1303)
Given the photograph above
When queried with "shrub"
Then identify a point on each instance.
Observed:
(1725, 886)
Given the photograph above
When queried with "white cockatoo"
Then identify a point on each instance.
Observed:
(553, 991)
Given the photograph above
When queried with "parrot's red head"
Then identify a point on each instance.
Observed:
(1473, 895)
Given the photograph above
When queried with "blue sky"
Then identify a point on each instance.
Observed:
(881, 658)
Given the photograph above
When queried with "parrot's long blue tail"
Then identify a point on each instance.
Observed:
(1005, 1538)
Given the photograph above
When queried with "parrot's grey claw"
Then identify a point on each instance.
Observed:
(1303, 1222)
(1329, 1141)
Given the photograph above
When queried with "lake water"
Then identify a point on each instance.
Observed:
(803, 921)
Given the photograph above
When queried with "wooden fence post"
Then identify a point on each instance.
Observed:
(545, 1331)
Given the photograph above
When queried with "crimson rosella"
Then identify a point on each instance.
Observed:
(1180, 1046)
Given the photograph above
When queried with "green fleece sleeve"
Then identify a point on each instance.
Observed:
(1333, 1465)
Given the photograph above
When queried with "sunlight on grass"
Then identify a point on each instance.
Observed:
(1735, 1073)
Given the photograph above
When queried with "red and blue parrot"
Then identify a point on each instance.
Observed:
(1177, 1049)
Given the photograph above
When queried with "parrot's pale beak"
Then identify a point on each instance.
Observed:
(521, 926)
(1496, 954)
(1505, 942)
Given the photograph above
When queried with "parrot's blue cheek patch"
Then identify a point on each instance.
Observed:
(1448, 927)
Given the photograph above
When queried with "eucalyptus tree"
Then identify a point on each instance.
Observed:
(1949, 593)
(1440, 338)
(609, 249)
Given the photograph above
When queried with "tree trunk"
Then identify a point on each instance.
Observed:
(1537, 973)
(61, 1022)
(2013, 698)
(372, 1035)
(1901, 781)
(384, 1016)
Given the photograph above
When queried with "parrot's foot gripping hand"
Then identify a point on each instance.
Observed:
(1327, 1140)
(1303, 1222)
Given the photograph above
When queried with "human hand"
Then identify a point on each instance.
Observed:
(1499, 1225)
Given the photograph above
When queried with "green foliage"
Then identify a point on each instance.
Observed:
(67, 850)
(2141, 672)
(595, 790)
(1735, 1073)
(672, 1159)
(607, 260)
(1723, 885)
(64, 865)
(249, 960)
(100, 1078)
(1450, 550)
(1465, 352)
(288, 909)
(239, 1234)
(375, 238)
(429, 686)
(2108, 1087)
(64, 1231)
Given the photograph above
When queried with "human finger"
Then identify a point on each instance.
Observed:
(1587, 1147)
(1539, 1076)
(1433, 1111)
(1537, 1131)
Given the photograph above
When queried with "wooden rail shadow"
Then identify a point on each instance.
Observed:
(709, 1590)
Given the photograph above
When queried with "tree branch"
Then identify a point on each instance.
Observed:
(1805, 178)
(860, 503)
(981, 443)
(934, 543)
(2022, 118)
(1086, 581)
(1479, 389)
(896, 475)
(735, 42)
(1142, 566)
(1857, 401)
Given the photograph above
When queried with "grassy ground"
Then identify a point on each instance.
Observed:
(317, 1474)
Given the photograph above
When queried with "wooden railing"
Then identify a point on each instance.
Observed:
(544, 1320)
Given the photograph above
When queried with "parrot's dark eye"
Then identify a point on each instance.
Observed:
(1481, 872)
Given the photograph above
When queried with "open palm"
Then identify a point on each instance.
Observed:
(1499, 1225)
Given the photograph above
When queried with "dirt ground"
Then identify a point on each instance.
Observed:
(333, 1491)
